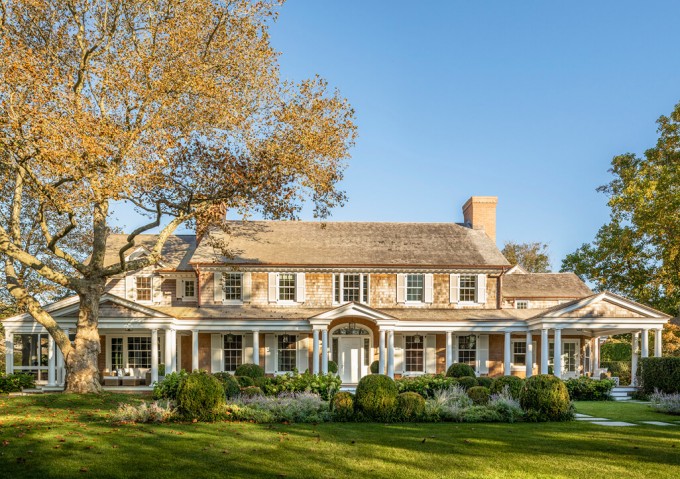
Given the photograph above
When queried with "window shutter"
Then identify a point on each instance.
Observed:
(216, 352)
(302, 353)
(483, 354)
(481, 289)
(247, 348)
(247, 279)
(431, 354)
(130, 288)
(454, 288)
(273, 288)
(429, 288)
(156, 291)
(398, 354)
(179, 288)
(218, 292)
(270, 352)
(300, 287)
(401, 288)
(333, 288)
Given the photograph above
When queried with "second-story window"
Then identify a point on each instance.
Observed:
(350, 287)
(522, 304)
(232, 284)
(415, 287)
(189, 288)
(468, 288)
(143, 288)
(286, 287)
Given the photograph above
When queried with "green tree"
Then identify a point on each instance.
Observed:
(533, 257)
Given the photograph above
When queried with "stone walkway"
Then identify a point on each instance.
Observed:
(602, 421)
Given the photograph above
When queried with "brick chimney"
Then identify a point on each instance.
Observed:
(479, 212)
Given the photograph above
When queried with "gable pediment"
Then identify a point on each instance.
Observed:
(603, 305)
(356, 310)
(111, 306)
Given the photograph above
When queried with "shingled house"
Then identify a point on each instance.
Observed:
(416, 297)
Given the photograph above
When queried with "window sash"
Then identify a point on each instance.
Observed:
(521, 304)
(287, 352)
(143, 286)
(287, 286)
(189, 288)
(117, 354)
(232, 286)
(350, 287)
(519, 353)
(415, 287)
(468, 288)
(467, 350)
(414, 357)
(139, 352)
(233, 352)
(30, 351)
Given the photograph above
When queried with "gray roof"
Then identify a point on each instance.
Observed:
(544, 285)
(349, 243)
(176, 252)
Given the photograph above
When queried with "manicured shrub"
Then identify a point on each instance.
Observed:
(425, 385)
(619, 369)
(200, 396)
(666, 403)
(250, 370)
(545, 398)
(479, 395)
(375, 365)
(467, 382)
(586, 389)
(251, 391)
(13, 383)
(410, 406)
(662, 374)
(342, 406)
(332, 367)
(245, 381)
(376, 397)
(323, 384)
(231, 385)
(459, 370)
(169, 386)
(484, 381)
(513, 383)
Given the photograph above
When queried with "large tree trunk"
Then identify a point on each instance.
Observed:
(82, 373)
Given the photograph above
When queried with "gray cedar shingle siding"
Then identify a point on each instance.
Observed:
(544, 285)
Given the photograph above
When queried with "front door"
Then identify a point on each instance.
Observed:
(570, 359)
(349, 356)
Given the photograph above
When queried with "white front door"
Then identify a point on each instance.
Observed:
(570, 359)
(349, 356)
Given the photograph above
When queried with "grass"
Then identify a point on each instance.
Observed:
(65, 436)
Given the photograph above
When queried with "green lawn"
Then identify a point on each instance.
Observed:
(62, 435)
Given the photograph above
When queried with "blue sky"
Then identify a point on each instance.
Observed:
(525, 100)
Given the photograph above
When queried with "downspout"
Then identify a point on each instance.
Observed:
(198, 286)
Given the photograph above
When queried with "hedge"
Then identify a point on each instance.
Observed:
(586, 389)
(662, 374)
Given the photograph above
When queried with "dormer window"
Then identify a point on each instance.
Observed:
(350, 287)
(521, 304)
(189, 289)
(143, 288)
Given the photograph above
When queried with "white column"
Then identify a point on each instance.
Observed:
(60, 367)
(634, 359)
(644, 350)
(596, 354)
(194, 349)
(168, 351)
(454, 358)
(9, 352)
(324, 351)
(507, 357)
(449, 349)
(154, 356)
(51, 362)
(381, 353)
(390, 353)
(544, 351)
(658, 343)
(315, 351)
(177, 352)
(530, 355)
(63, 373)
(557, 359)
(256, 347)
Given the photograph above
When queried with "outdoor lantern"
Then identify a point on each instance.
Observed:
(230, 338)
(416, 339)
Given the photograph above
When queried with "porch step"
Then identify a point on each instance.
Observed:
(624, 393)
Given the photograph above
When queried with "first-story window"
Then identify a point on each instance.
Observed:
(467, 350)
(143, 288)
(287, 287)
(519, 353)
(287, 352)
(350, 287)
(468, 288)
(233, 351)
(415, 287)
(117, 354)
(30, 354)
(232, 285)
(551, 354)
(414, 354)
(139, 352)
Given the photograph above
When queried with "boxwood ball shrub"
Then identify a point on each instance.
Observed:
(332, 367)
(374, 367)
(342, 406)
(376, 397)
(410, 406)
(200, 396)
(513, 383)
(485, 381)
(545, 398)
(231, 386)
(251, 391)
(250, 370)
(467, 382)
(245, 381)
(459, 370)
(479, 395)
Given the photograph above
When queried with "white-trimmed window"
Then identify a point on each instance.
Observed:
(522, 304)
(117, 351)
(287, 352)
(139, 352)
(414, 357)
(467, 350)
(286, 288)
(130, 351)
(415, 288)
(188, 289)
(233, 352)
(468, 288)
(350, 287)
(30, 354)
(232, 287)
(143, 288)
(519, 353)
